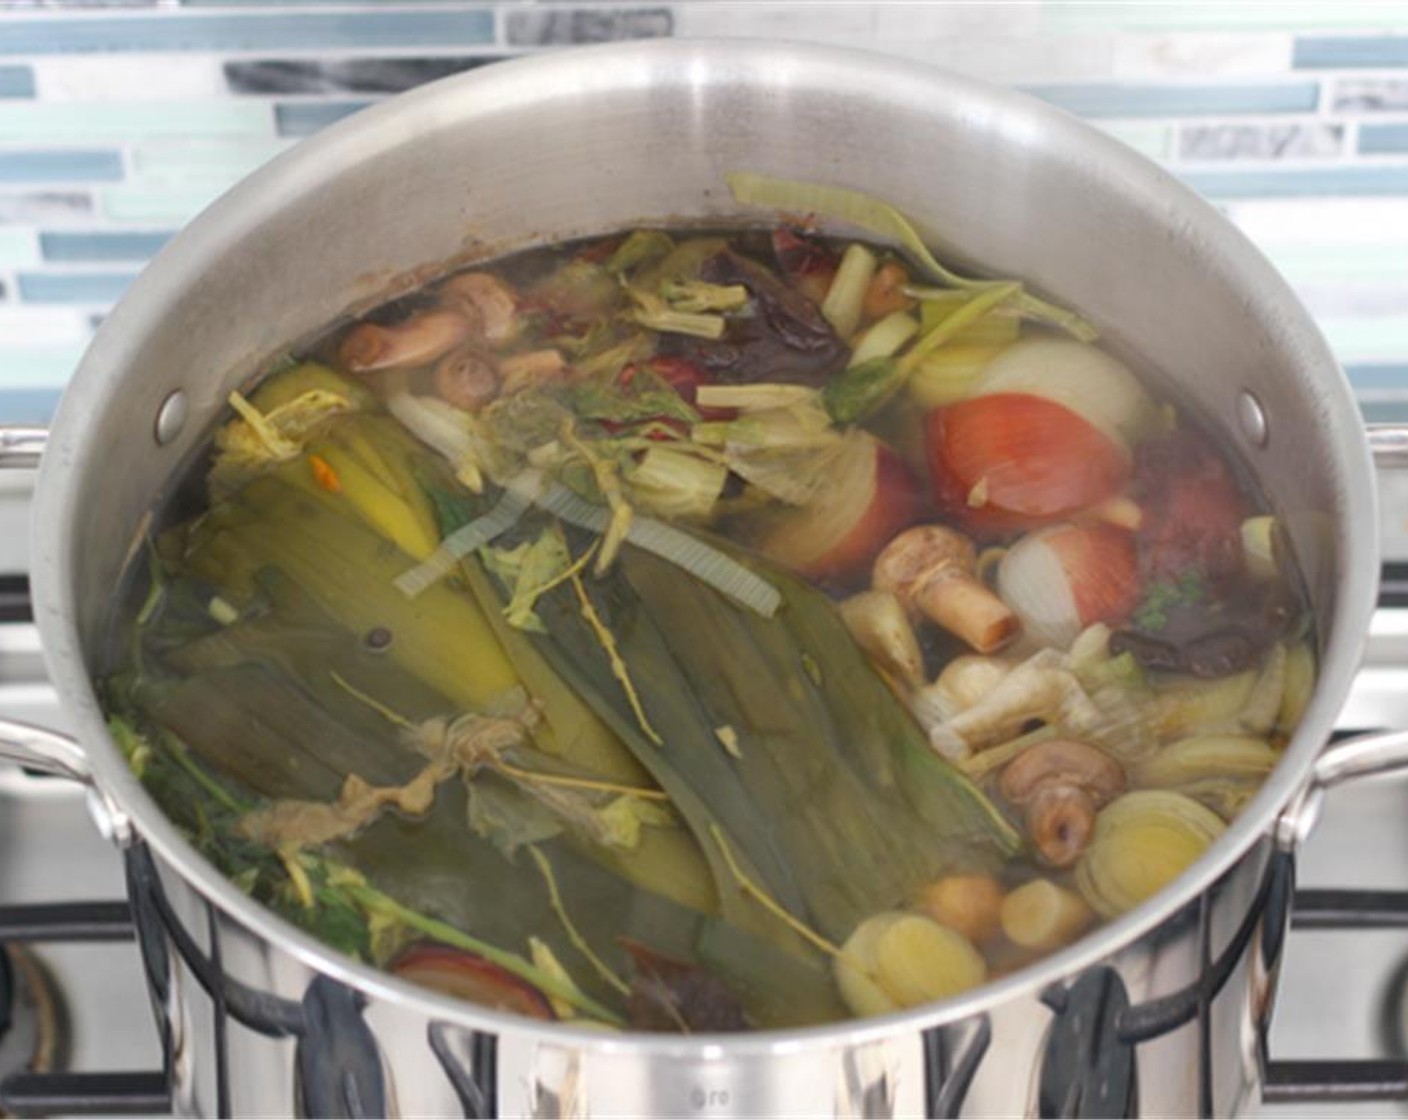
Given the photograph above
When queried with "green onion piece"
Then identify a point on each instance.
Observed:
(881, 218)
(961, 319)
(706, 563)
(859, 391)
(468, 538)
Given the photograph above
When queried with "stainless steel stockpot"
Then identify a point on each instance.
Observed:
(1162, 1012)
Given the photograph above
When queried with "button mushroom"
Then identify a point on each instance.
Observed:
(930, 569)
(420, 340)
(486, 300)
(466, 379)
(1061, 783)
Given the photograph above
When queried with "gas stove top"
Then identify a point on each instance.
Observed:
(73, 997)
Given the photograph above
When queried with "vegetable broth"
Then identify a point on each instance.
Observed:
(709, 632)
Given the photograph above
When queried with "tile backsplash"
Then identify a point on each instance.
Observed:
(121, 119)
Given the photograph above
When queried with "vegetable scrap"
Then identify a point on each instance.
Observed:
(710, 631)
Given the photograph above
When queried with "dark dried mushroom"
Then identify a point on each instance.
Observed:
(780, 336)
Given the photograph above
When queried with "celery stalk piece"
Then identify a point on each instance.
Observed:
(842, 305)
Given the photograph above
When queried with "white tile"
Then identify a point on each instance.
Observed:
(1160, 56)
(97, 77)
(1010, 60)
(1321, 221)
(1331, 299)
(842, 24)
(947, 20)
(43, 326)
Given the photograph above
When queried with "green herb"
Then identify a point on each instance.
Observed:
(859, 391)
(645, 397)
(530, 569)
(1152, 613)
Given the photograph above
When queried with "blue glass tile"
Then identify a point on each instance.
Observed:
(1126, 99)
(73, 287)
(1378, 51)
(28, 406)
(1377, 139)
(239, 31)
(1367, 378)
(1290, 182)
(60, 166)
(99, 245)
(1384, 412)
(303, 118)
(16, 81)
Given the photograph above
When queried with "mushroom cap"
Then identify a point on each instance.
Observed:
(1062, 762)
(913, 556)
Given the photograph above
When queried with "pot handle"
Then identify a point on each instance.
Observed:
(21, 445)
(1388, 443)
(1363, 756)
(45, 750)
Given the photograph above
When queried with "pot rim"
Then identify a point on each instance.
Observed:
(378, 129)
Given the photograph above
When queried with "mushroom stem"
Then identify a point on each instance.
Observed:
(1061, 782)
(420, 340)
(963, 606)
(1060, 821)
(930, 569)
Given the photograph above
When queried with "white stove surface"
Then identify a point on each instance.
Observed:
(1335, 991)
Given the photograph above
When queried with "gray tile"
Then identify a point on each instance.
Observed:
(34, 207)
(1261, 141)
(587, 25)
(342, 75)
(1371, 95)
(16, 81)
(1338, 51)
(249, 31)
(1132, 99)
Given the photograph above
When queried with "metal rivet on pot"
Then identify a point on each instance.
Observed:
(1252, 417)
(171, 417)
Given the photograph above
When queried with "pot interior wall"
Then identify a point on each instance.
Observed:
(547, 148)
